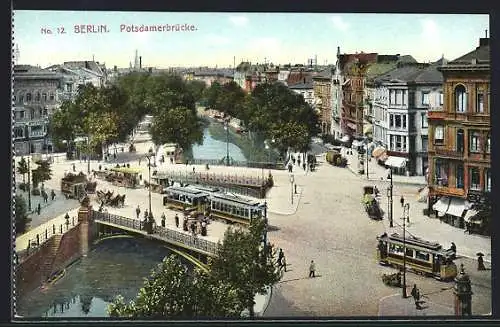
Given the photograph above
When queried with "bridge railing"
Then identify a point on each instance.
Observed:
(166, 233)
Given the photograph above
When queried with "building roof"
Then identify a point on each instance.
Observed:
(481, 54)
(33, 72)
(302, 86)
(296, 77)
(324, 74)
(413, 73)
(243, 66)
(88, 64)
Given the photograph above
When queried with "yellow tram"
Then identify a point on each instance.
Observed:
(235, 209)
(422, 256)
(185, 198)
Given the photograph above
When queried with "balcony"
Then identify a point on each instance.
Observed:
(436, 114)
(478, 118)
(446, 153)
(448, 191)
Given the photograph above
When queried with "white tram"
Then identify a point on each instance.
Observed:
(236, 209)
(185, 198)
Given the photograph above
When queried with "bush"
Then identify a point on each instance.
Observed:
(21, 218)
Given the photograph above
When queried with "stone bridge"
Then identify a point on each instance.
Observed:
(107, 224)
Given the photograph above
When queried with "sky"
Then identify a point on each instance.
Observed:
(217, 39)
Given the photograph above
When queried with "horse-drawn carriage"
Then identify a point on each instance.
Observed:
(108, 198)
(370, 202)
(75, 186)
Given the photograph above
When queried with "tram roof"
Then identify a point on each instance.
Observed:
(416, 241)
(126, 170)
(204, 188)
(236, 199)
(186, 191)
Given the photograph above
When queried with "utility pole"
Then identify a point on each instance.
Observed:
(389, 197)
(406, 213)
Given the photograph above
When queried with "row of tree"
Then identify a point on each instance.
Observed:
(241, 269)
(271, 109)
(42, 173)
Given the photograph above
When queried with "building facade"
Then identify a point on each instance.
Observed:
(401, 100)
(35, 98)
(322, 90)
(306, 90)
(460, 141)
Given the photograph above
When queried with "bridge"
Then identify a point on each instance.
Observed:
(173, 237)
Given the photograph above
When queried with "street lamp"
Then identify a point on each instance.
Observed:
(150, 217)
(291, 184)
(226, 127)
(29, 185)
(389, 197)
(406, 214)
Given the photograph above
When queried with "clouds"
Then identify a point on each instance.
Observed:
(239, 21)
(213, 39)
(430, 36)
(339, 23)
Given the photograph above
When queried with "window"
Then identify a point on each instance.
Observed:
(45, 112)
(18, 132)
(488, 143)
(403, 117)
(425, 98)
(487, 180)
(459, 175)
(480, 102)
(397, 121)
(425, 143)
(28, 97)
(44, 97)
(424, 120)
(474, 142)
(37, 98)
(474, 179)
(398, 142)
(399, 97)
(460, 140)
(52, 97)
(460, 99)
(439, 135)
(404, 97)
(441, 98)
(21, 114)
(392, 97)
(21, 98)
(441, 173)
(422, 255)
(391, 120)
(409, 252)
(396, 249)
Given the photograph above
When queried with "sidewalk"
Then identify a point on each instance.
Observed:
(395, 305)
(377, 172)
(261, 303)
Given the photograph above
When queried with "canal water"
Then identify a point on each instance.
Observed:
(212, 149)
(115, 266)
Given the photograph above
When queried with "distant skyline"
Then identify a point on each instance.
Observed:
(213, 39)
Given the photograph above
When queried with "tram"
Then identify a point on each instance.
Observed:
(424, 257)
(185, 198)
(235, 209)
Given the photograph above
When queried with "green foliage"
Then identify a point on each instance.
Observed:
(22, 168)
(36, 178)
(228, 98)
(245, 264)
(21, 215)
(178, 125)
(291, 135)
(196, 88)
(173, 292)
(43, 172)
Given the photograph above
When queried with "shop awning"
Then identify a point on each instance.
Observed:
(441, 206)
(469, 214)
(377, 152)
(396, 162)
(345, 138)
(456, 207)
(368, 129)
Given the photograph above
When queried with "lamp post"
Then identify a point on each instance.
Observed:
(389, 197)
(150, 217)
(291, 184)
(367, 158)
(406, 213)
(29, 185)
(88, 154)
(226, 127)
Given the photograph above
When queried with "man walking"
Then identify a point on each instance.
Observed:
(283, 263)
(176, 221)
(312, 269)
(138, 211)
(416, 296)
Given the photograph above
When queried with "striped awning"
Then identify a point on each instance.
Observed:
(441, 206)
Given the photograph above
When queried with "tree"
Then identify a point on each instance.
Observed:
(178, 125)
(290, 135)
(173, 292)
(43, 171)
(65, 124)
(196, 88)
(22, 168)
(243, 262)
(165, 92)
(21, 215)
(101, 128)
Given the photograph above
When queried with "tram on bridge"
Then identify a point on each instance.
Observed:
(185, 198)
(424, 257)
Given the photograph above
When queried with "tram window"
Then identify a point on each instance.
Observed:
(409, 252)
(422, 255)
(394, 248)
(246, 213)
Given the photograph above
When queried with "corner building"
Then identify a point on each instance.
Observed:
(460, 141)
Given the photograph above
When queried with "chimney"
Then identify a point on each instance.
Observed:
(484, 42)
(140, 62)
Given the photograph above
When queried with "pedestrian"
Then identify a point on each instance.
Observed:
(295, 188)
(480, 263)
(100, 167)
(185, 224)
(298, 161)
(453, 248)
(52, 195)
(140, 177)
(193, 170)
(312, 269)
(176, 221)
(146, 214)
(203, 228)
(38, 209)
(163, 219)
(114, 155)
(193, 228)
(402, 201)
(139, 161)
(280, 255)
(138, 211)
(304, 165)
(416, 296)
(74, 168)
(283, 263)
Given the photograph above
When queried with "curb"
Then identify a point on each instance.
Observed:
(374, 180)
(296, 207)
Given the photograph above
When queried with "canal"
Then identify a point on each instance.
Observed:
(213, 149)
(115, 266)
